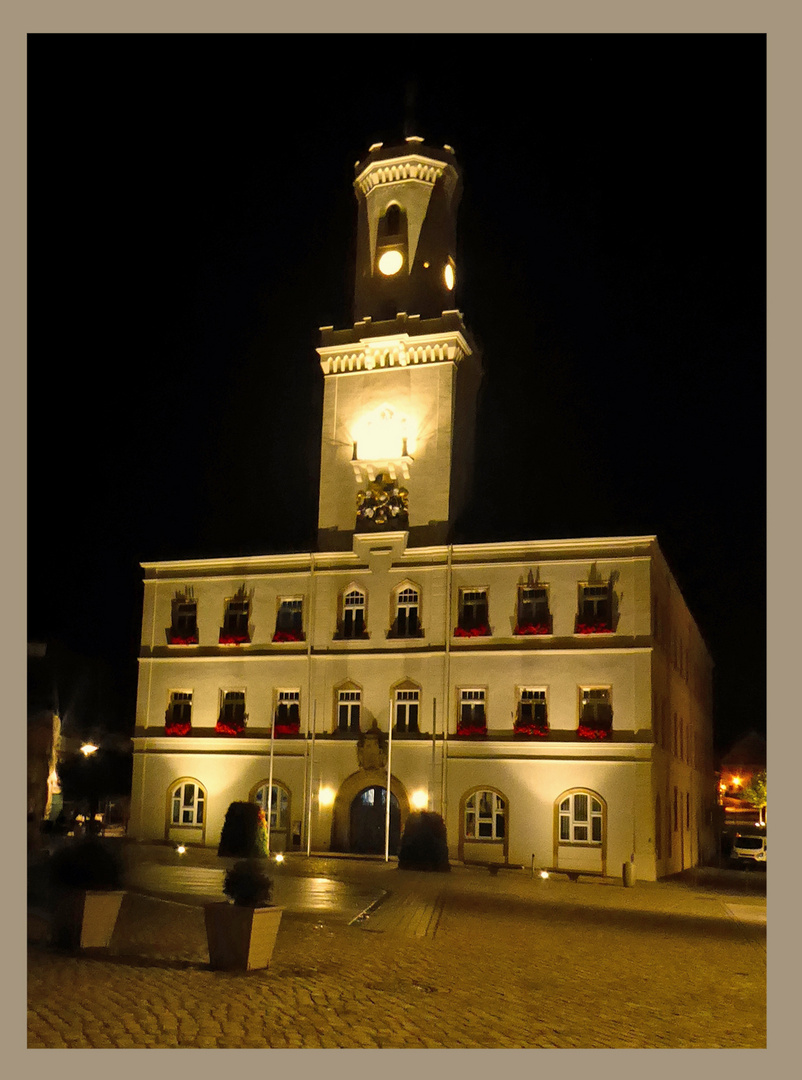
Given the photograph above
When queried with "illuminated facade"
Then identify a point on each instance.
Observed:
(552, 699)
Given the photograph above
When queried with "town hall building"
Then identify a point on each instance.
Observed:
(551, 699)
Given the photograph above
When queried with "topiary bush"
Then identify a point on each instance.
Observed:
(248, 885)
(424, 845)
(244, 834)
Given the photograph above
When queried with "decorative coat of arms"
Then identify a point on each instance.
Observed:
(383, 506)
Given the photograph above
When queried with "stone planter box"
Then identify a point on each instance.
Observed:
(241, 938)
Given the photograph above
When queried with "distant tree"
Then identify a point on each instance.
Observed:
(755, 794)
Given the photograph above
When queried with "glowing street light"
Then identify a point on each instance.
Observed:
(88, 748)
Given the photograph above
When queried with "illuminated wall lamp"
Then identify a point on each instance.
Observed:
(419, 799)
(326, 796)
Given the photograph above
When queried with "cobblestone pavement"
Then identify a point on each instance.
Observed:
(459, 960)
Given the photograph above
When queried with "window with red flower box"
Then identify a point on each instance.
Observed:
(287, 719)
(532, 715)
(183, 629)
(231, 720)
(595, 614)
(595, 712)
(178, 717)
(289, 620)
(533, 616)
(472, 719)
(235, 629)
(472, 620)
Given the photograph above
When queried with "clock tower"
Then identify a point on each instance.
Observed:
(401, 385)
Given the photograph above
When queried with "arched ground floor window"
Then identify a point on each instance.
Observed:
(186, 811)
(484, 831)
(580, 831)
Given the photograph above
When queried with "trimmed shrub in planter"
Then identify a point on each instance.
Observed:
(424, 845)
(87, 883)
(242, 935)
(244, 834)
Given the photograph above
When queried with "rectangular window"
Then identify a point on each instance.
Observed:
(233, 708)
(596, 710)
(184, 623)
(180, 708)
(532, 712)
(533, 610)
(472, 718)
(595, 609)
(235, 621)
(407, 704)
(289, 620)
(473, 618)
(288, 715)
(348, 708)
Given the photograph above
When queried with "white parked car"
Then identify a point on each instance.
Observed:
(749, 848)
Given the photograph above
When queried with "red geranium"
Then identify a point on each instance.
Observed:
(234, 639)
(287, 635)
(532, 628)
(178, 727)
(466, 730)
(531, 730)
(585, 732)
(286, 729)
(477, 631)
(593, 628)
(225, 727)
(192, 639)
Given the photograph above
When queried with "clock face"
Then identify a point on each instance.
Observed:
(391, 262)
(448, 276)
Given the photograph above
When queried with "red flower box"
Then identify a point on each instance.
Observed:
(593, 628)
(532, 628)
(478, 631)
(585, 732)
(178, 728)
(176, 640)
(288, 635)
(468, 732)
(222, 727)
(234, 639)
(531, 731)
(286, 729)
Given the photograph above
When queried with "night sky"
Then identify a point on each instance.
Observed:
(191, 223)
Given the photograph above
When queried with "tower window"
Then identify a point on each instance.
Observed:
(392, 222)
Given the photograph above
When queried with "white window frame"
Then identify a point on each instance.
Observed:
(293, 604)
(537, 695)
(464, 594)
(354, 606)
(407, 599)
(405, 697)
(280, 805)
(585, 698)
(491, 815)
(349, 697)
(581, 824)
(190, 808)
(472, 696)
(288, 696)
(182, 698)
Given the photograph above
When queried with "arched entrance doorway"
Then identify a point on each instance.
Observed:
(350, 791)
(368, 822)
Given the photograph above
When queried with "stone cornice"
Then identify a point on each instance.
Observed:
(406, 166)
(396, 350)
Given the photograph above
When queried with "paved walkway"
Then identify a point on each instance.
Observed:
(439, 961)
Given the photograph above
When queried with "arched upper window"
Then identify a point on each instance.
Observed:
(581, 818)
(392, 221)
(354, 622)
(485, 816)
(406, 617)
(187, 803)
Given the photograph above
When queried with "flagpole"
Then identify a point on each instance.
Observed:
(311, 783)
(270, 782)
(389, 773)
